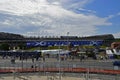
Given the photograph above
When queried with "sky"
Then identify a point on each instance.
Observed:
(58, 17)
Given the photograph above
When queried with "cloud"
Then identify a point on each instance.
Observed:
(117, 35)
(74, 3)
(113, 16)
(86, 10)
(118, 14)
(48, 17)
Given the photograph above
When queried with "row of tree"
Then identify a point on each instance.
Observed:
(6, 46)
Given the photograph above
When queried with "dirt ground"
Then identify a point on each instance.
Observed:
(38, 77)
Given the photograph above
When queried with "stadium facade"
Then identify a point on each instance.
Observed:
(15, 40)
(64, 42)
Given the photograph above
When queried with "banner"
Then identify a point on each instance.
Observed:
(63, 43)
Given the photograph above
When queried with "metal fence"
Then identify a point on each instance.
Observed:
(53, 63)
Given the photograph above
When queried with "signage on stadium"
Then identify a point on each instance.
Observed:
(41, 43)
(94, 43)
(54, 43)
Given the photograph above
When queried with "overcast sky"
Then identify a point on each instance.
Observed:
(57, 17)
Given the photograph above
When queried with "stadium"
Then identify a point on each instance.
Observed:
(24, 64)
(15, 40)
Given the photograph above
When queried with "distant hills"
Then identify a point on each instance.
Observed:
(10, 36)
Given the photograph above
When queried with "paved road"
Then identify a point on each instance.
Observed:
(51, 62)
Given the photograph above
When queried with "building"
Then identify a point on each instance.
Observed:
(115, 45)
(16, 40)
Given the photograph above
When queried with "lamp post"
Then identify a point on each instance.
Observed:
(22, 60)
(59, 62)
(67, 41)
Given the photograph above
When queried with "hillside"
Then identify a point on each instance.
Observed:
(10, 36)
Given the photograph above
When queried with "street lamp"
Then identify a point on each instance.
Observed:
(67, 41)
(59, 62)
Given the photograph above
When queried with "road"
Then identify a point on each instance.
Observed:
(51, 62)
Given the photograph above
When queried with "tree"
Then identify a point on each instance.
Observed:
(4, 46)
(22, 46)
